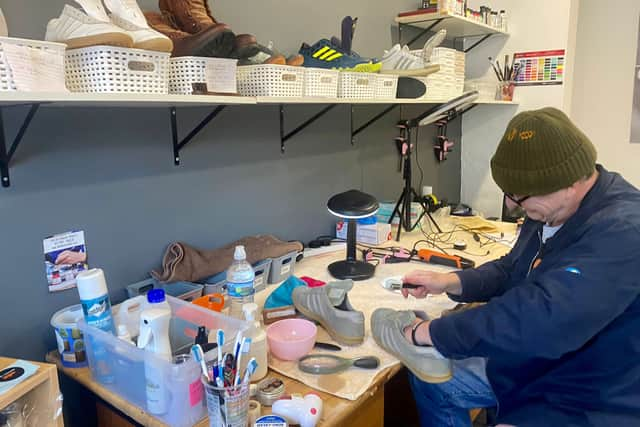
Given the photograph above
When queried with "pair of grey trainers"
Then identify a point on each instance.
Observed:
(426, 363)
(329, 305)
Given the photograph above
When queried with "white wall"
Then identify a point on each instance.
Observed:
(540, 25)
(603, 81)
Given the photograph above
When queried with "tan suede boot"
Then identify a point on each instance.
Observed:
(214, 41)
(191, 16)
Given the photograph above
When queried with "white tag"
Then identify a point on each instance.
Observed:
(220, 76)
(35, 70)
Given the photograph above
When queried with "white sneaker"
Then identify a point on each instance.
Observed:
(78, 29)
(400, 61)
(4, 32)
(127, 15)
(433, 42)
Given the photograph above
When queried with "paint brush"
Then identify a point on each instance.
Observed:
(495, 70)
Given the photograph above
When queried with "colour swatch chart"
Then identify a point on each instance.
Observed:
(540, 68)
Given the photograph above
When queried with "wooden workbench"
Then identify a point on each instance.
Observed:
(367, 410)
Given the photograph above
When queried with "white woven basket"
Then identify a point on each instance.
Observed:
(386, 86)
(186, 70)
(320, 82)
(357, 85)
(271, 80)
(109, 69)
(7, 82)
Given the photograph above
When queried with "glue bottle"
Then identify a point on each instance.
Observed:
(258, 337)
(96, 306)
(154, 338)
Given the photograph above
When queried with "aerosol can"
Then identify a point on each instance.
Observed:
(154, 338)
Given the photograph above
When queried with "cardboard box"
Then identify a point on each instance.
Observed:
(370, 234)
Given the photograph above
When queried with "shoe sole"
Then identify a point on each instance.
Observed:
(158, 45)
(105, 39)
(333, 333)
(420, 72)
(363, 68)
(417, 372)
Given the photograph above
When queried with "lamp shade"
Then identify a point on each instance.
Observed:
(353, 204)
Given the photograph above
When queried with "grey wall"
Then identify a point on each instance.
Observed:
(109, 171)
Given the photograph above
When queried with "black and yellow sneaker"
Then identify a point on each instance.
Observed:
(324, 54)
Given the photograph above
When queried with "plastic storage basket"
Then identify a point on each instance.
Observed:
(7, 80)
(386, 86)
(186, 70)
(186, 291)
(357, 85)
(271, 80)
(282, 267)
(320, 83)
(121, 366)
(109, 69)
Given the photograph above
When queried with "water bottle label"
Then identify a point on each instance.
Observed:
(97, 312)
(240, 289)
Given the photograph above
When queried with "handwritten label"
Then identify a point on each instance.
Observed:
(35, 70)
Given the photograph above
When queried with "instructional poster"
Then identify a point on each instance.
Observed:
(635, 110)
(544, 67)
(65, 255)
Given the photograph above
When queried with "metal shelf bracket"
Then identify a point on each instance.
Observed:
(6, 156)
(179, 145)
(284, 137)
(370, 122)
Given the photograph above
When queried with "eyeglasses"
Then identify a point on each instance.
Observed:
(514, 199)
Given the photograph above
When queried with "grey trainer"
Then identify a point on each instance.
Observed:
(426, 363)
(329, 305)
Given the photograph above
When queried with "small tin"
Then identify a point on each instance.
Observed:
(269, 390)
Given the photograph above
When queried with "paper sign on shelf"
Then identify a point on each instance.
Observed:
(35, 70)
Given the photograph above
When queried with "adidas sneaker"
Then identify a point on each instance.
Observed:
(400, 61)
(324, 54)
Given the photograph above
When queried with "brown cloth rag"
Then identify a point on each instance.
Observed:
(182, 262)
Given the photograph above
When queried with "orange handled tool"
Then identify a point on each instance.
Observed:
(434, 257)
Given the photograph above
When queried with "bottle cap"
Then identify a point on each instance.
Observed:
(122, 330)
(155, 296)
(91, 284)
(250, 309)
(239, 253)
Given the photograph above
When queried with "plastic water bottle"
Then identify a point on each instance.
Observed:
(240, 278)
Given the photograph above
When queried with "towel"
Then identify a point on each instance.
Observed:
(182, 262)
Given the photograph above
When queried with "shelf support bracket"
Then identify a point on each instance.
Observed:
(179, 145)
(370, 122)
(6, 156)
(285, 137)
(422, 33)
(483, 38)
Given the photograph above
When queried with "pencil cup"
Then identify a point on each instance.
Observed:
(504, 91)
(228, 406)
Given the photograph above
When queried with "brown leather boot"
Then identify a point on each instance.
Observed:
(191, 16)
(214, 41)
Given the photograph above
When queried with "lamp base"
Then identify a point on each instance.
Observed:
(355, 270)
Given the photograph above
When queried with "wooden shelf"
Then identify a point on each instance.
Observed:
(456, 26)
(42, 388)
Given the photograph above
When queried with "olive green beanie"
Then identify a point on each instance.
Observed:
(541, 152)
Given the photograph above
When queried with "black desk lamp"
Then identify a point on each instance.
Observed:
(352, 205)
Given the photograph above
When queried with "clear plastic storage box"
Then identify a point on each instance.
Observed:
(121, 366)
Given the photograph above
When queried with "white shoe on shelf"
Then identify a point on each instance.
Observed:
(400, 61)
(433, 42)
(4, 32)
(127, 15)
(78, 29)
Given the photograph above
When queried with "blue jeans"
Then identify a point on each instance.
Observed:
(447, 404)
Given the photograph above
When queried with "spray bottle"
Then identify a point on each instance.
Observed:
(258, 337)
(154, 338)
(96, 306)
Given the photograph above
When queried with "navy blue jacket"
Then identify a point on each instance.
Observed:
(562, 339)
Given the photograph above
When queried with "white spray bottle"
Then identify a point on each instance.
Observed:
(154, 338)
(259, 348)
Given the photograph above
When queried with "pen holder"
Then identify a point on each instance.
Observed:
(504, 90)
(227, 406)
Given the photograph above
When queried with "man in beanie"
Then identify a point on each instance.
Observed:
(558, 341)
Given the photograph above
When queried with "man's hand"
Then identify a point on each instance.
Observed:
(71, 257)
(423, 336)
(431, 282)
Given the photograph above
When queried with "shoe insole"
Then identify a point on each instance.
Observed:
(410, 87)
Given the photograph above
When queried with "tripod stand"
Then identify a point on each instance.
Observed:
(409, 194)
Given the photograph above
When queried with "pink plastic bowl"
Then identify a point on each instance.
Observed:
(290, 339)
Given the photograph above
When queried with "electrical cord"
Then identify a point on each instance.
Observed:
(418, 161)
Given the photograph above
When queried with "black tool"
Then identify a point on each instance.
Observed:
(327, 346)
